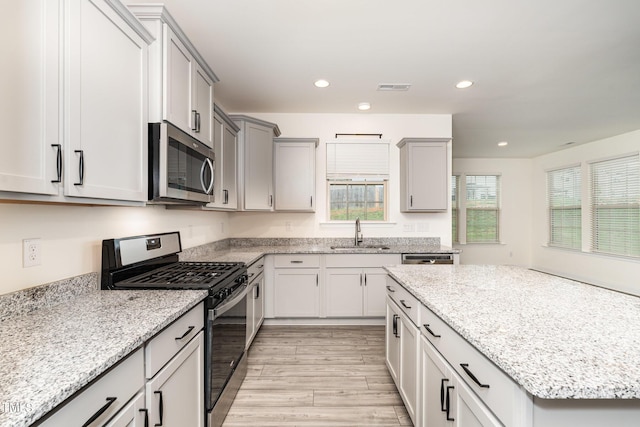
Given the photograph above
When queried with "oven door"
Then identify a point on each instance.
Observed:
(182, 167)
(226, 341)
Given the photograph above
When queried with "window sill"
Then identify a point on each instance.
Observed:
(350, 224)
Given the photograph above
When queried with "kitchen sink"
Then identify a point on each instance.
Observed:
(353, 247)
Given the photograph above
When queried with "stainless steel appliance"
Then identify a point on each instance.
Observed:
(151, 262)
(181, 168)
(428, 259)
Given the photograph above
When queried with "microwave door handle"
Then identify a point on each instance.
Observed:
(206, 188)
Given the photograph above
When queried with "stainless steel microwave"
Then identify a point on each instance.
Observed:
(181, 168)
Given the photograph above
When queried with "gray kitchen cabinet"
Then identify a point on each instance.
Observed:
(296, 286)
(424, 175)
(255, 160)
(30, 95)
(295, 174)
(133, 414)
(71, 90)
(255, 300)
(402, 342)
(180, 80)
(355, 284)
(225, 147)
(105, 398)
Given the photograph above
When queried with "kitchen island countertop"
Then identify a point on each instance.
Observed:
(557, 338)
(51, 353)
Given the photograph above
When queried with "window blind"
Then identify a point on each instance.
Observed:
(358, 159)
(615, 206)
(454, 208)
(565, 207)
(483, 208)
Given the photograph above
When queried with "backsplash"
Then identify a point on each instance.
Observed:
(27, 300)
(428, 242)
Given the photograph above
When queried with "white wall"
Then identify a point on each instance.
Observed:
(515, 215)
(393, 127)
(71, 236)
(613, 272)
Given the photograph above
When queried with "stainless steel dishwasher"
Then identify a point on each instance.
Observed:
(427, 259)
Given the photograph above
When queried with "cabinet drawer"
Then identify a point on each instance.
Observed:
(255, 269)
(167, 343)
(122, 383)
(297, 261)
(502, 396)
(362, 260)
(407, 302)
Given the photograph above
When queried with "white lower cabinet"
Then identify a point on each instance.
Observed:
(446, 399)
(355, 292)
(104, 398)
(175, 395)
(296, 293)
(134, 414)
(255, 300)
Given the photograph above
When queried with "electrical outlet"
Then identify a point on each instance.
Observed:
(408, 228)
(31, 252)
(423, 227)
(287, 225)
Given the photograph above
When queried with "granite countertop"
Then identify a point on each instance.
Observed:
(557, 338)
(50, 353)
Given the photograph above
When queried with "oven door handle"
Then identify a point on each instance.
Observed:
(223, 308)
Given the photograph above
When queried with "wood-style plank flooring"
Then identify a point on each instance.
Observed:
(317, 376)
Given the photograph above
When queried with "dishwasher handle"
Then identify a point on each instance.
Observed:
(427, 259)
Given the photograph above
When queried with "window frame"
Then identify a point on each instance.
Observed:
(577, 186)
(462, 208)
(348, 182)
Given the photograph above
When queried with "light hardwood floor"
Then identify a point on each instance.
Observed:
(317, 376)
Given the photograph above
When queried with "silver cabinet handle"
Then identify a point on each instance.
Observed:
(194, 120)
(226, 197)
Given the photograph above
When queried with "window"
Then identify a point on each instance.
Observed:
(454, 208)
(357, 175)
(482, 204)
(615, 206)
(351, 200)
(565, 207)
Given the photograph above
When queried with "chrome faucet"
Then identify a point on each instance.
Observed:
(359, 237)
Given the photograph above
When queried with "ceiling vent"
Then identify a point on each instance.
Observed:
(398, 87)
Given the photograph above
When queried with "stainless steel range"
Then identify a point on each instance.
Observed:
(151, 262)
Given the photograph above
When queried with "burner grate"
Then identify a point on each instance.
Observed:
(186, 273)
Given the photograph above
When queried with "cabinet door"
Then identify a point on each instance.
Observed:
(343, 292)
(427, 177)
(177, 82)
(295, 174)
(392, 340)
(203, 107)
(296, 293)
(258, 167)
(468, 410)
(408, 383)
(434, 379)
(218, 149)
(229, 168)
(106, 99)
(132, 415)
(177, 390)
(29, 101)
(375, 280)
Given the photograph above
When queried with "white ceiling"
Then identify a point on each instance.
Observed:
(546, 72)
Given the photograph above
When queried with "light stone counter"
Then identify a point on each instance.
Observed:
(50, 353)
(558, 338)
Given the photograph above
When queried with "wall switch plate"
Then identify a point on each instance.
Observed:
(31, 252)
(423, 227)
(408, 228)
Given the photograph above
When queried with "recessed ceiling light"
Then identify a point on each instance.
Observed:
(503, 144)
(363, 106)
(321, 83)
(464, 84)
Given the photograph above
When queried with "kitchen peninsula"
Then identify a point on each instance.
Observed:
(569, 349)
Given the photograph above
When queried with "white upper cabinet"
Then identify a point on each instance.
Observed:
(424, 175)
(105, 104)
(255, 148)
(30, 144)
(225, 147)
(180, 82)
(295, 174)
(75, 120)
